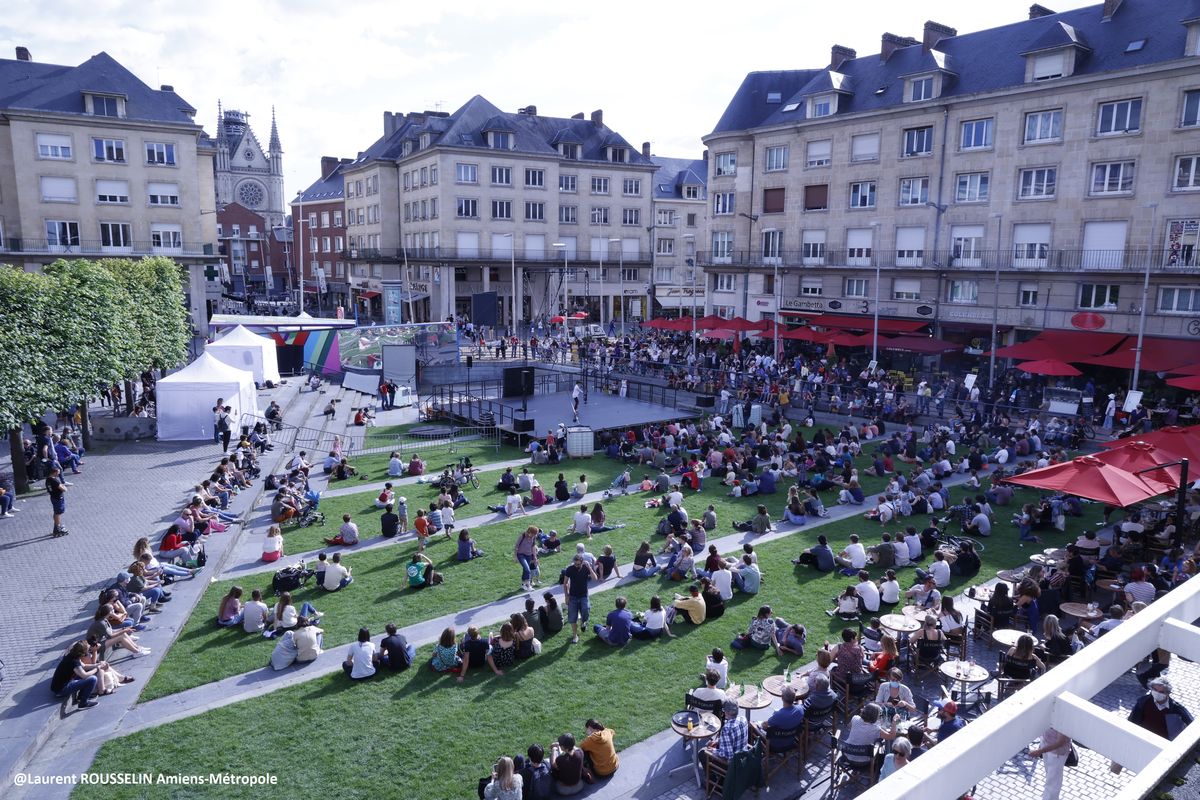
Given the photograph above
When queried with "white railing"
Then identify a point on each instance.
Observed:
(1060, 698)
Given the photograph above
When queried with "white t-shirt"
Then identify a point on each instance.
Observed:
(913, 542)
(395, 468)
(273, 544)
(656, 620)
(333, 576)
(889, 592)
(869, 594)
(722, 669)
(583, 523)
(307, 647)
(512, 504)
(901, 550)
(940, 571)
(857, 555)
(723, 580)
(254, 617)
(581, 488)
(675, 498)
(361, 654)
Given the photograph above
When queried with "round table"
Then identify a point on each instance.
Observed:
(914, 611)
(897, 623)
(1114, 585)
(774, 684)
(1081, 611)
(709, 727)
(1011, 575)
(983, 594)
(1056, 552)
(753, 699)
(1045, 560)
(1008, 636)
(964, 673)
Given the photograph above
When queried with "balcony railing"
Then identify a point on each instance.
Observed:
(1030, 257)
(481, 253)
(95, 247)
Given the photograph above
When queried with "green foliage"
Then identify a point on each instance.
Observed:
(27, 379)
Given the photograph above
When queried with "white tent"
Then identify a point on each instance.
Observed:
(185, 399)
(245, 350)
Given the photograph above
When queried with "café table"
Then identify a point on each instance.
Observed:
(983, 594)
(965, 673)
(899, 623)
(1011, 575)
(1007, 637)
(1045, 560)
(708, 727)
(774, 684)
(1081, 611)
(749, 696)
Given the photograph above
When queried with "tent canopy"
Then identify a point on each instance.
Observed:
(1048, 366)
(1063, 345)
(242, 349)
(185, 399)
(1158, 354)
(1089, 477)
(851, 322)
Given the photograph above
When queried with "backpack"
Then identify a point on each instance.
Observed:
(664, 527)
(223, 423)
(272, 483)
(290, 579)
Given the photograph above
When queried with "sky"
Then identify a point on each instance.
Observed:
(662, 71)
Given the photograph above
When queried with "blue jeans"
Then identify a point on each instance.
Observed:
(646, 572)
(527, 568)
(578, 609)
(233, 622)
(602, 633)
(307, 610)
(6, 502)
(178, 572)
(153, 594)
(86, 687)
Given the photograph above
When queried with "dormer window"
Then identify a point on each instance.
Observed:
(100, 105)
(920, 88)
(500, 140)
(618, 155)
(405, 149)
(569, 150)
(1049, 66)
(823, 105)
(691, 192)
(425, 139)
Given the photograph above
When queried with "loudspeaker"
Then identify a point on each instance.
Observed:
(518, 381)
(470, 361)
(483, 308)
(705, 401)
(523, 425)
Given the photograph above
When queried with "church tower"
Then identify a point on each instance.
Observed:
(245, 171)
(275, 154)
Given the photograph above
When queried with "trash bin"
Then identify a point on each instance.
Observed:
(581, 442)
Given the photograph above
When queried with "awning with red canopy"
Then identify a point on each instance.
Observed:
(369, 293)
(1063, 344)
(919, 344)
(1179, 442)
(1136, 456)
(1089, 477)
(852, 322)
(1158, 354)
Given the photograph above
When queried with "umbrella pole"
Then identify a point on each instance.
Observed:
(1180, 501)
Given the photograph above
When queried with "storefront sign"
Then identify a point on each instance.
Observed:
(968, 313)
(802, 304)
(925, 311)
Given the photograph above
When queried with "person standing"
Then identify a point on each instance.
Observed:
(224, 426)
(576, 396)
(57, 488)
(391, 392)
(1110, 413)
(1053, 750)
(216, 417)
(383, 394)
(575, 588)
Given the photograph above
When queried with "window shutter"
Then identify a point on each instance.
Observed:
(773, 201)
(816, 197)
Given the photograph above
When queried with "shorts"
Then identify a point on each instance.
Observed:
(59, 504)
(577, 608)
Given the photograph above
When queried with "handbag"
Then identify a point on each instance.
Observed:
(1072, 757)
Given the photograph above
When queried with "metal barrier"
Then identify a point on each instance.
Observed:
(1060, 699)
(418, 441)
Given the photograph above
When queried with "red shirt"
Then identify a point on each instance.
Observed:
(172, 541)
(422, 525)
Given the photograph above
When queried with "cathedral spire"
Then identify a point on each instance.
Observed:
(274, 145)
(220, 125)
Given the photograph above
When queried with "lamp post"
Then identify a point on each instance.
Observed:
(996, 299)
(692, 258)
(601, 296)
(300, 200)
(878, 280)
(1137, 352)
(512, 253)
(563, 246)
(753, 218)
(620, 281)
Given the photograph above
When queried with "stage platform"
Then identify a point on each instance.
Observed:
(601, 412)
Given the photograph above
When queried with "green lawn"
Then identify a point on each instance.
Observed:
(437, 454)
(417, 718)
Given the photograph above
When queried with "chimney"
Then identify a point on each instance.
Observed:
(389, 122)
(23, 54)
(1110, 9)
(934, 33)
(646, 149)
(840, 54)
(598, 118)
(577, 116)
(891, 43)
(328, 165)
(704, 156)
(528, 111)
(1036, 11)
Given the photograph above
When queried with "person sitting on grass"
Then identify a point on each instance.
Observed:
(386, 497)
(446, 656)
(846, 606)
(580, 488)
(792, 639)
(466, 546)
(513, 504)
(415, 465)
(337, 576)
(548, 542)
(420, 572)
(600, 754)
(475, 652)
(681, 564)
(389, 522)
(820, 556)
(395, 465)
(347, 534)
(618, 625)
(762, 633)
(550, 616)
(691, 606)
(747, 577)
(567, 766)
(255, 614)
(652, 623)
(759, 524)
(360, 660)
(343, 471)
(606, 563)
(599, 520)
(230, 614)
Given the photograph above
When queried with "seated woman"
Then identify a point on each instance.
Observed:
(852, 494)
(794, 513)
(537, 496)
(513, 504)
(415, 465)
(287, 617)
(1021, 662)
(567, 766)
(847, 605)
(598, 520)
(273, 544)
(652, 623)
(154, 568)
(343, 471)
(550, 615)
(502, 652)
(361, 658)
(110, 679)
(230, 613)
(894, 697)
(714, 604)
(1000, 607)
(813, 504)
(682, 564)
(524, 636)
(395, 465)
(1028, 592)
(75, 680)
(445, 653)
(644, 564)
(887, 657)
(606, 563)
(466, 546)
(101, 628)
(1055, 643)
(759, 524)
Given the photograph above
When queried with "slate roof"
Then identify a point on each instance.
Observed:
(674, 173)
(983, 61)
(332, 187)
(532, 134)
(34, 86)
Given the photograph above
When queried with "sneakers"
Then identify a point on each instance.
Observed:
(8, 514)
(574, 640)
(88, 704)
(525, 587)
(143, 651)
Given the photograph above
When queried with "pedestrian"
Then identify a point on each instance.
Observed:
(1110, 413)
(1158, 713)
(224, 426)
(56, 486)
(575, 588)
(383, 394)
(216, 418)
(1053, 750)
(391, 392)
(576, 395)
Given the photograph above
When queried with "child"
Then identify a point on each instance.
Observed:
(549, 543)
(646, 484)
(973, 481)
(402, 512)
(421, 527)
(717, 663)
(466, 546)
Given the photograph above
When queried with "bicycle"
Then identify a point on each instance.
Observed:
(956, 540)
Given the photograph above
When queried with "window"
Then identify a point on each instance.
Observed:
(768, 281)
(468, 208)
(618, 155)
(962, 292)
(812, 247)
(862, 194)
(337, 219)
(568, 215)
(62, 233)
(500, 140)
(966, 245)
(631, 216)
(864, 147)
(772, 246)
(1115, 177)
(535, 178)
(906, 289)
(822, 106)
(433, 175)
(54, 145)
(665, 217)
(324, 219)
(466, 173)
(1038, 183)
(773, 200)
(599, 185)
(59, 190)
(501, 209)
(599, 215)
(631, 187)
(664, 275)
(1031, 244)
(501, 176)
(691, 192)
(859, 247)
(1187, 173)
(1191, 109)
(1049, 66)
(312, 220)
(918, 141)
(166, 237)
(777, 158)
(664, 247)
(856, 287)
(1099, 295)
(816, 198)
(726, 164)
(691, 220)
(112, 191)
(976, 134)
(725, 282)
(1178, 300)
(109, 150)
(567, 183)
(569, 150)
(722, 248)
(163, 194)
(1119, 117)
(723, 203)
(1043, 126)
(920, 89)
(812, 287)
(972, 187)
(105, 106)
(160, 153)
(1104, 244)
(1027, 295)
(819, 153)
(116, 235)
(914, 191)
(535, 212)
(910, 247)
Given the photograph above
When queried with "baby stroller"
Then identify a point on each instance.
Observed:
(310, 515)
(620, 485)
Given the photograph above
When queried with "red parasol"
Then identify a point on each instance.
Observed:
(579, 315)
(1089, 477)
(709, 322)
(721, 335)
(1179, 442)
(681, 324)
(1136, 456)
(1189, 382)
(557, 319)
(803, 334)
(657, 323)
(1190, 369)
(1048, 366)
(740, 324)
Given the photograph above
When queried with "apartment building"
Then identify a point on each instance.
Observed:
(1033, 172)
(319, 243)
(254, 261)
(93, 163)
(448, 205)
(680, 224)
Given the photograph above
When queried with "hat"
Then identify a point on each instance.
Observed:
(123, 576)
(1112, 397)
(403, 499)
(950, 707)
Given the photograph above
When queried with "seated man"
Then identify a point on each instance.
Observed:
(939, 570)
(884, 511)
(854, 557)
(925, 594)
(884, 553)
(1116, 615)
(337, 575)
(395, 466)
(618, 625)
(420, 572)
(788, 718)
(691, 606)
(507, 480)
(979, 525)
(732, 738)
(283, 507)
(819, 556)
(395, 652)
(747, 577)
(347, 534)
(709, 691)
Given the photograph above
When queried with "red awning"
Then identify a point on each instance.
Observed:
(851, 322)
(919, 344)
(1064, 345)
(368, 293)
(1158, 354)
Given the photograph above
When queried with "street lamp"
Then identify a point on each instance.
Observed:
(620, 282)
(300, 200)
(996, 299)
(563, 247)
(692, 258)
(1137, 353)
(878, 280)
(749, 250)
(512, 252)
